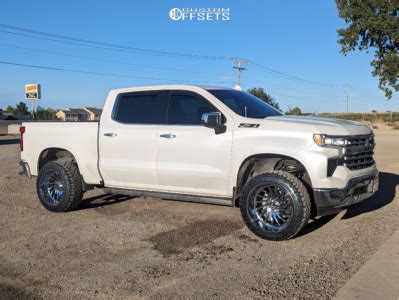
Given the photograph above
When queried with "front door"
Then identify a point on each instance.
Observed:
(193, 159)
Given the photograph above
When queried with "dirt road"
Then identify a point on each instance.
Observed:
(144, 247)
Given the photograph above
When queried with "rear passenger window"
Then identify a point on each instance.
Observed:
(141, 108)
(187, 109)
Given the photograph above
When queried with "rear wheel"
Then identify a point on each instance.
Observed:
(59, 186)
(275, 206)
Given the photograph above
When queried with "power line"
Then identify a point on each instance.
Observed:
(364, 94)
(289, 96)
(250, 79)
(26, 32)
(109, 45)
(103, 74)
(110, 61)
(291, 77)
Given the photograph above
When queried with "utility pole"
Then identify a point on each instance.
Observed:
(239, 63)
(347, 97)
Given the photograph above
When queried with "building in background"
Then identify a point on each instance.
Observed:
(79, 114)
(94, 113)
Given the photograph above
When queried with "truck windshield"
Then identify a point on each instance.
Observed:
(245, 104)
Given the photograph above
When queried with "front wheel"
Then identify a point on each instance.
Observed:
(275, 205)
(59, 186)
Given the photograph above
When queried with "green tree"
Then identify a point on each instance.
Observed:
(45, 114)
(373, 24)
(21, 109)
(261, 94)
(10, 109)
(294, 111)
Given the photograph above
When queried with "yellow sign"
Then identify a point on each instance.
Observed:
(32, 91)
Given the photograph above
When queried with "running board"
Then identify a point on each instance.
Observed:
(171, 196)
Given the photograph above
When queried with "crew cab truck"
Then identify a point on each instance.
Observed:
(205, 144)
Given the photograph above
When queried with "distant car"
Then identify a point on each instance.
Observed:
(205, 144)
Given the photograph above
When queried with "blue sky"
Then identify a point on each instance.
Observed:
(293, 37)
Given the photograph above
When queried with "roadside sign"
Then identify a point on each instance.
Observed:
(32, 91)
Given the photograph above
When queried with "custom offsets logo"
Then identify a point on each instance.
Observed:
(200, 14)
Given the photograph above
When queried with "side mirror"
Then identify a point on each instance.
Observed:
(212, 119)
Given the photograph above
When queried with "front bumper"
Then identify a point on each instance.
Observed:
(330, 201)
(25, 169)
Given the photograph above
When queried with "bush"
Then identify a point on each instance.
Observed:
(368, 117)
(294, 111)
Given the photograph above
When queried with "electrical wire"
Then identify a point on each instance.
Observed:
(289, 96)
(291, 77)
(111, 61)
(116, 46)
(104, 74)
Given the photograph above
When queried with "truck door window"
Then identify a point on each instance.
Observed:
(187, 108)
(141, 108)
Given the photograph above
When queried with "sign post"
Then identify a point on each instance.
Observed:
(32, 92)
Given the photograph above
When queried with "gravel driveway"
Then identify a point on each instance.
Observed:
(125, 247)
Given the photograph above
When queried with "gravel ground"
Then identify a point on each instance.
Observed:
(125, 247)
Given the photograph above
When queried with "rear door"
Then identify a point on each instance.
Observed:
(128, 140)
(193, 159)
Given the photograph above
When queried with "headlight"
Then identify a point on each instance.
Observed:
(328, 141)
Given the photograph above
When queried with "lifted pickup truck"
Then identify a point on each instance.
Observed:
(205, 144)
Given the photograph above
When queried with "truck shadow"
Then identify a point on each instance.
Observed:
(316, 224)
(386, 194)
(103, 200)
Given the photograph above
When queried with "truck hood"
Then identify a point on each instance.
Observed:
(323, 125)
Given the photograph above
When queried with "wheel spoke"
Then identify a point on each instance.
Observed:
(52, 187)
(271, 207)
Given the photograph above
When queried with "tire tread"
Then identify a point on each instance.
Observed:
(75, 184)
(304, 197)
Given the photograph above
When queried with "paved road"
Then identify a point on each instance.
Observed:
(145, 247)
(379, 277)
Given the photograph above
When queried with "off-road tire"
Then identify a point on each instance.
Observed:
(300, 200)
(69, 173)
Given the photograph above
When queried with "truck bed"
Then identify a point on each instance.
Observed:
(79, 138)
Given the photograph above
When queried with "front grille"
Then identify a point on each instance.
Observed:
(358, 152)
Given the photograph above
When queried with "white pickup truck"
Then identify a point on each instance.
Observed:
(205, 144)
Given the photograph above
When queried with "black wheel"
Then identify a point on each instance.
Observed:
(275, 206)
(59, 186)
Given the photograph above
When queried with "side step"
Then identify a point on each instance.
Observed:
(171, 196)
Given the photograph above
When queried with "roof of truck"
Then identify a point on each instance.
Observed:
(170, 86)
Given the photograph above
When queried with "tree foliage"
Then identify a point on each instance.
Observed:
(10, 109)
(373, 24)
(21, 109)
(294, 111)
(261, 94)
(45, 114)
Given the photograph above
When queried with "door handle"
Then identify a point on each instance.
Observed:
(168, 135)
(110, 134)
